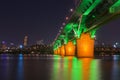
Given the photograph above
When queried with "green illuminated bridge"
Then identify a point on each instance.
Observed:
(77, 36)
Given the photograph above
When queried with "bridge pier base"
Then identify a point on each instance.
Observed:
(55, 52)
(85, 46)
(58, 51)
(70, 49)
(62, 50)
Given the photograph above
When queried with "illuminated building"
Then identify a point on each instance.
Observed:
(3, 45)
(25, 42)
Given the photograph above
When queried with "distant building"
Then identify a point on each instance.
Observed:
(40, 42)
(25, 41)
(3, 46)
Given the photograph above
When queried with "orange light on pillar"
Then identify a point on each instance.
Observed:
(58, 51)
(62, 51)
(85, 46)
(70, 49)
(55, 52)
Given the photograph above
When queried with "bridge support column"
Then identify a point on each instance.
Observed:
(62, 50)
(55, 51)
(70, 49)
(85, 46)
(58, 51)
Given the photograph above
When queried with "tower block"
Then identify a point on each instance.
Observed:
(62, 51)
(85, 46)
(70, 49)
(25, 43)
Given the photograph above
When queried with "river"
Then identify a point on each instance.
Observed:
(54, 67)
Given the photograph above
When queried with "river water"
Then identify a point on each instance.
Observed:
(49, 67)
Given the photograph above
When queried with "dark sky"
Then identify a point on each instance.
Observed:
(42, 19)
(110, 32)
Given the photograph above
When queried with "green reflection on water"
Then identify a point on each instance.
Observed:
(56, 67)
(72, 68)
(77, 70)
(95, 70)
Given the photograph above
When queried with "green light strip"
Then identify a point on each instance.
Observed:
(115, 7)
(92, 7)
(93, 33)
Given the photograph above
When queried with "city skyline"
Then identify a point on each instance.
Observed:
(42, 20)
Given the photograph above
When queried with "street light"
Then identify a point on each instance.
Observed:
(67, 18)
(71, 10)
(63, 24)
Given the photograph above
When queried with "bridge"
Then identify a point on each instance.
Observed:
(76, 38)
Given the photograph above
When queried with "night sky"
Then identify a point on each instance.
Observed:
(42, 19)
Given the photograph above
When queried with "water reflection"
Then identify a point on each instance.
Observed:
(4, 62)
(11, 67)
(95, 69)
(116, 65)
(71, 68)
(20, 67)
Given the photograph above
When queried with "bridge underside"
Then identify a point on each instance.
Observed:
(77, 36)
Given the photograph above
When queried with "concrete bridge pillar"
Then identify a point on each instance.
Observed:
(55, 51)
(58, 51)
(85, 46)
(62, 50)
(70, 49)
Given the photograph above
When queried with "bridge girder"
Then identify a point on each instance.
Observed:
(88, 16)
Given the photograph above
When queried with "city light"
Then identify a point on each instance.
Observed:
(21, 46)
(63, 24)
(71, 10)
(67, 18)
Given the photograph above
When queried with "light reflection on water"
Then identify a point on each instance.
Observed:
(71, 68)
(22, 67)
